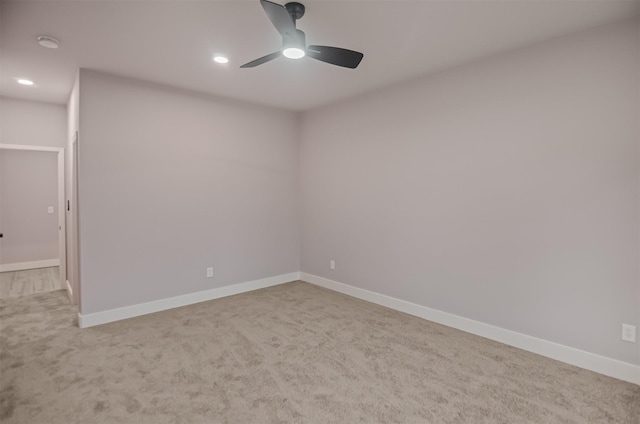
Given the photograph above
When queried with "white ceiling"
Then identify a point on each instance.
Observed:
(172, 42)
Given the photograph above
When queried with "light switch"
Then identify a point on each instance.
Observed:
(50, 209)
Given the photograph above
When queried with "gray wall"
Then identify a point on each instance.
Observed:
(172, 182)
(28, 186)
(29, 179)
(505, 191)
(32, 123)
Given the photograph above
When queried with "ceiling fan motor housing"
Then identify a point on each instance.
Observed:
(295, 9)
(299, 41)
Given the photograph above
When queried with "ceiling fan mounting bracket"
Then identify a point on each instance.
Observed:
(295, 9)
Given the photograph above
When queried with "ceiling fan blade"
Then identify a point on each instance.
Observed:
(280, 18)
(263, 59)
(335, 56)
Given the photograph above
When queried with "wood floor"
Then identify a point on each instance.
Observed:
(21, 283)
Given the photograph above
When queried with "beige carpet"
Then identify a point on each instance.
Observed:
(291, 353)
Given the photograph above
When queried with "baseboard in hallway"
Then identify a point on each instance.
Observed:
(21, 266)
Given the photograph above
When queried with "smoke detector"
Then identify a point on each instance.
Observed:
(48, 42)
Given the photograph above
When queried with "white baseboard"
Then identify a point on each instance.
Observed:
(580, 358)
(20, 266)
(111, 315)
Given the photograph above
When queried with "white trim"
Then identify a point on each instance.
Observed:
(69, 291)
(62, 214)
(111, 315)
(73, 274)
(590, 361)
(20, 266)
(34, 148)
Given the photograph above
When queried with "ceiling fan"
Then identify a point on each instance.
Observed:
(294, 41)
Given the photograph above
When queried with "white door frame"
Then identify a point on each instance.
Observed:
(73, 282)
(62, 233)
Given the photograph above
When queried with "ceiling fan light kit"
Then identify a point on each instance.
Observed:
(294, 44)
(294, 47)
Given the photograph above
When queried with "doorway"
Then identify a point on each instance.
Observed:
(15, 264)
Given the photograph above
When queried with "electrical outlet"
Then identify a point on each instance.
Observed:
(209, 272)
(332, 264)
(629, 333)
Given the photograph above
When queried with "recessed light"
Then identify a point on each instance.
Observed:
(220, 59)
(24, 81)
(48, 42)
